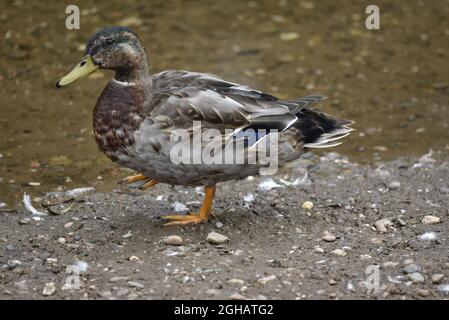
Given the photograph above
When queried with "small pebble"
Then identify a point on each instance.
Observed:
(307, 205)
(173, 240)
(430, 220)
(118, 278)
(24, 221)
(127, 235)
(219, 225)
(68, 225)
(61, 240)
(134, 259)
(216, 238)
(416, 277)
(394, 185)
(340, 252)
(411, 268)
(436, 278)
(51, 261)
(329, 237)
(267, 279)
(10, 248)
(136, 284)
(49, 289)
(239, 282)
(382, 225)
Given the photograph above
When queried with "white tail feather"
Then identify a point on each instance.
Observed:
(327, 140)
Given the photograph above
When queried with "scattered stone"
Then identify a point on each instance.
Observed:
(216, 238)
(394, 185)
(329, 237)
(350, 287)
(307, 205)
(51, 261)
(239, 282)
(24, 221)
(12, 264)
(136, 284)
(332, 282)
(408, 261)
(134, 259)
(416, 277)
(411, 268)
(9, 248)
(340, 252)
(118, 278)
(68, 225)
(219, 225)
(401, 222)
(49, 289)
(443, 288)
(319, 250)
(389, 264)
(267, 279)
(430, 220)
(436, 278)
(61, 240)
(173, 240)
(289, 36)
(382, 225)
(127, 235)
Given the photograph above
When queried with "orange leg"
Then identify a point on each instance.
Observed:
(135, 178)
(203, 214)
(149, 184)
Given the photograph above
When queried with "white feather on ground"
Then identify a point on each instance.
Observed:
(30, 208)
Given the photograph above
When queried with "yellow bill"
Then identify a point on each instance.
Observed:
(85, 67)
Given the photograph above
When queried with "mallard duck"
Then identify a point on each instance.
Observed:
(136, 114)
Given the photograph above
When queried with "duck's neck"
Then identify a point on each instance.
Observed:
(136, 75)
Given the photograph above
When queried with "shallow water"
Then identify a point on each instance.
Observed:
(393, 82)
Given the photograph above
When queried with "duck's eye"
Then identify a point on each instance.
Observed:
(109, 41)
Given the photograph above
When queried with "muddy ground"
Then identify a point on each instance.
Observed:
(276, 248)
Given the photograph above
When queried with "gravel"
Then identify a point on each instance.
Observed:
(411, 268)
(416, 277)
(173, 240)
(329, 237)
(49, 289)
(216, 238)
(270, 247)
(429, 219)
(382, 225)
(340, 252)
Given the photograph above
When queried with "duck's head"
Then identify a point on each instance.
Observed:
(114, 48)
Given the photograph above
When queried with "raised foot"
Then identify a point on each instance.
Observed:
(131, 179)
(139, 177)
(180, 220)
